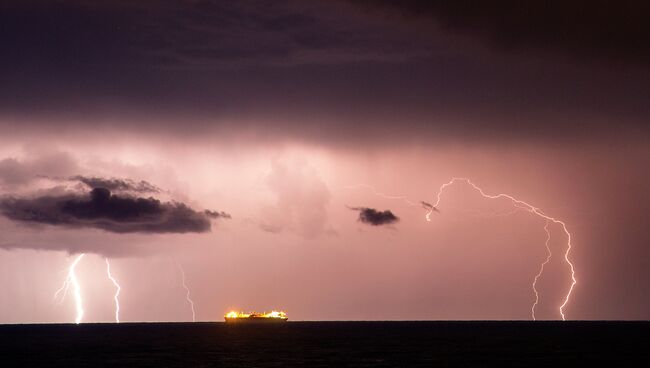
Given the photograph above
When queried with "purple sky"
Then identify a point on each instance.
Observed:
(239, 141)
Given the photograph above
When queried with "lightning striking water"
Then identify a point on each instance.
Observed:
(117, 291)
(541, 269)
(71, 279)
(187, 295)
(521, 205)
(532, 209)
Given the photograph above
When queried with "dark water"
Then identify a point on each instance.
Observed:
(331, 344)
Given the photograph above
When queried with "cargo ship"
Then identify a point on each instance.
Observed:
(241, 317)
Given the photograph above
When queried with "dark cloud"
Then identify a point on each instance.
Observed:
(374, 217)
(217, 214)
(326, 71)
(122, 185)
(586, 29)
(183, 34)
(102, 210)
(429, 207)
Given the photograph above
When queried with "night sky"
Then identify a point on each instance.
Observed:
(288, 154)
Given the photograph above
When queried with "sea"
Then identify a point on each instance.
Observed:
(328, 344)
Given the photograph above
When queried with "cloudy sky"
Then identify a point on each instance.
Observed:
(287, 155)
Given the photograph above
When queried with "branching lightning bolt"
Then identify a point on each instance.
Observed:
(541, 269)
(71, 279)
(187, 295)
(531, 209)
(521, 205)
(117, 291)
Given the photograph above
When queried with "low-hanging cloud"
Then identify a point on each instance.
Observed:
(301, 204)
(117, 185)
(101, 209)
(217, 214)
(375, 217)
(429, 207)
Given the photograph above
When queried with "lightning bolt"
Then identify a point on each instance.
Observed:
(541, 269)
(520, 205)
(427, 206)
(187, 295)
(117, 291)
(383, 195)
(71, 279)
(532, 209)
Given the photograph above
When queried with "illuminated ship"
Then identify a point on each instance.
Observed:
(241, 317)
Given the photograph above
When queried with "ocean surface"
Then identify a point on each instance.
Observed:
(328, 344)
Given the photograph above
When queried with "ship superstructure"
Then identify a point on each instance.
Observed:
(238, 317)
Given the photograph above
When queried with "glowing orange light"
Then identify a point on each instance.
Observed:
(273, 315)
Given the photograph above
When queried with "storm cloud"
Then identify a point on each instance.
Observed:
(589, 30)
(103, 210)
(121, 185)
(375, 217)
(349, 70)
(217, 214)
